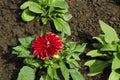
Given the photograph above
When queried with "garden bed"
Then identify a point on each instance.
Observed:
(84, 25)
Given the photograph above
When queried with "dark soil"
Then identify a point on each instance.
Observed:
(84, 25)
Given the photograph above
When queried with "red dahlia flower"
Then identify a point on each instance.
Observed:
(47, 45)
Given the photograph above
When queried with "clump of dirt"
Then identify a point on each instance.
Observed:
(84, 25)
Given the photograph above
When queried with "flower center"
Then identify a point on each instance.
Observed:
(47, 45)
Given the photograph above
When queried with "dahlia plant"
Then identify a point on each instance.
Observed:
(49, 57)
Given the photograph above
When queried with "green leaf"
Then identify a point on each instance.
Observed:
(27, 15)
(109, 47)
(26, 73)
(61, 11)
(95, 53)
(48, 77)
(67, 17)
(76, 56)
(21, 51)
(62, 26)
(56, 65)
(64, 70)
(100, 38)
(43, 77)
(59, 4)
(118, 47)
(44, 20)
(97, 45)
(110, 34)
(32, 62)
(44, 3)
(51, 72)
(26, 42)
(56, 77)
(80, 48)
(73, 63)
(76, 75)
(116, 61)
(26, 4)
(35, 8)
(114, 75)
(96, 66)
(72, 45)
(51, 12)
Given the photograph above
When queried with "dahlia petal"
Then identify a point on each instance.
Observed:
(35, 52)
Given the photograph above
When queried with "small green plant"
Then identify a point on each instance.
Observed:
(55, 11)
(48, 58)
(106, 53)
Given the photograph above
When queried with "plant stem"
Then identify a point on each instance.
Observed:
(43, 30)
(62, 35)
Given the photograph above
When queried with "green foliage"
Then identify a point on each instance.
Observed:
(34, 63)
(106, 53)
(27, 15)
(48, 10)
(115, 75)
(95, 53)
(26, 42)
(60, 66)
(64, 70)
(21, 51)
(43, 77)
(66, 65)
(109, 33)
(76, 75)
(58, 22)
(51, 72)
(26, 73)
(24, 50)
(115, 61)
(96, 66)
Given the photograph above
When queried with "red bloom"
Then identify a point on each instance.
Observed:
(47, 45)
